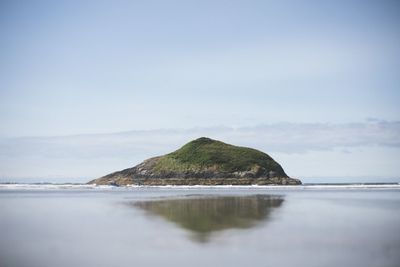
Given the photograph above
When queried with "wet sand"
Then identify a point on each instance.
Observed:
(200, 226)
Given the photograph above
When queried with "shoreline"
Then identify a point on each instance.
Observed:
(67, 186)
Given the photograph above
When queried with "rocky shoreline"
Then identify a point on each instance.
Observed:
(200, 181)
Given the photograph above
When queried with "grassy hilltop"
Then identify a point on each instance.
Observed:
(215, 155)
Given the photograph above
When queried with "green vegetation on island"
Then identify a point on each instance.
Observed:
(211, 154)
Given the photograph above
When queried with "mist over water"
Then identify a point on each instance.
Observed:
(200, 227)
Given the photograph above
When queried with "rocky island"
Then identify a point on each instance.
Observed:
(203, 161)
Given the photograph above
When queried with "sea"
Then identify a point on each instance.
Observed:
(64, 225)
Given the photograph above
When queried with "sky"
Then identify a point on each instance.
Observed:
(90, 87)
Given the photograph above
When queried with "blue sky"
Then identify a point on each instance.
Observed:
(73, 68)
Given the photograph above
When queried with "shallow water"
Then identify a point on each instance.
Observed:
(218, 226)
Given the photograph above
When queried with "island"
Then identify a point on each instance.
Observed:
(203, 161)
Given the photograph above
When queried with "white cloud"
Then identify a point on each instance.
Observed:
(93, 155)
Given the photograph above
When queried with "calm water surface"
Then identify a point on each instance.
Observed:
(200, 227)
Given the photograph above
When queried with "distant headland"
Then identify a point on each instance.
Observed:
(204, 161)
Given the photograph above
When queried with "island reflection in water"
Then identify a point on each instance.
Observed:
(205, 215)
